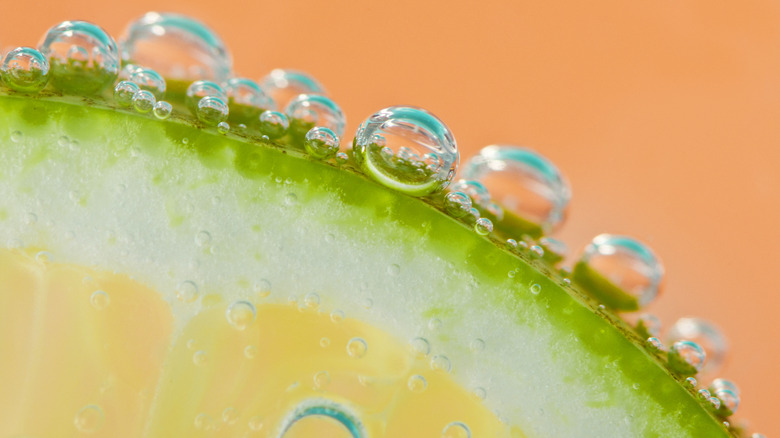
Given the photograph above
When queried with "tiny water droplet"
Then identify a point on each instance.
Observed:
(321, 143)
(324, 342)
(187, 291)
(441, 363)
(310, 110)
(627, 263)
(715, 402)
(511, 244)
(480, 393)
(203, 421)
(203, 238)
(393, 269)
(690, 352)
(477, 345)
(341, 158)
(523, 181)
(337, 316)
(263, 288)
(420, 346)
(357, 348)
(311, 300)
(707, 335)
(241, 314)
(124, 92)
(321, 379)
(144, 101)
(537, 251)
(704, 394)
(535, 289)
(230, 416)
(457, 204)
(483, 226)
(83, 58)
(89, 419)
(148, 80)
(176, 46)
(456, 429)
(283, 85)
(417, 383)
(247, 100)
(274, 124)
(17, 136)
(212, 110)
(655, 343)
(43, 257)
(162, 110)
(223, 127)
(99, 300)
(691, 381)
(434, 324)
(200, 358)
(421, 133)
(250, 352)
(191, 344)
(291, 199)
(255, 423)
(25, 69)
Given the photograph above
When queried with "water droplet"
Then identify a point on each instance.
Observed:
(477, 345)
(393, 269)
(230, 416)
(25, 69)
(457, 204)
(43, 257)
(321, 379)
(263, 288)
(311, 300)
(417, 383)
(357, 348)
(203, 238)
(342, 158)
(475, 190)
(124, 92)
(223, 127)
(321, 143)
(421, 133)
(655, 343)
(89, 419)
(148, 80)
(250, 352)
(483, 226)
(84, 59)
(99, 299)
(162, 109)
(283, 85)
(200, 358)
(511, 244)
(537, 251)
(203, 421)
(690, 352)
(191, 344)
(324, 342)
(17, 136)
(523, 181)
(143, 101)
(707, 335)
(691, 381)
(535, 289)
(727, 392)
(255, 423)
(456, 429)
(309, 110)
(704, 394)
(187, 291)
(420, 346)
(480, 393)
(241, 314)
(247, 100)
(434, 324)
(715, 402)
(274, 124)
(176, 46)
(441, 363)
(290, 199)
(212, 110)
(627, 263)
(554, 246)
(200, 89)
(337, 316)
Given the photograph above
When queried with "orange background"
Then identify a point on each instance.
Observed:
(664, 114)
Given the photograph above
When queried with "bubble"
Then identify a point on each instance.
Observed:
(341, 158)
(554, 246)
(17, 136)
(417, 383)
(457, 204)
(203, 238)
(246, 100)
(43, 257)
(263, 288)
(162, 109)
(241, 314)
(212, 110)
(477, 345)
(456, 429)
(483, 226)
(283, 85)
(223, 127)
(324, 342)
(84, 59)
(357, 348)
(255, 423)
(475, 190)
(200, 89)
(321, 143)
(200, 358)
(421, 133)
(480, 393)
(321, 379)
(148, 80)
(704, 394)
(187, 291)
(89, 419)
(124, 92)
(176, 46)
(311, 300)
(690, 352)
(25, 70)
(393, 269)
(143, 101)
(627, 263)
(691, 381)
(203, 421)
(651, 323)
(535, 289)
(250, 352)
(655, 343)
(707, 335)
(715, 402)
(537, 250)
(420, 346)
(441, 363)
(274, 124)
(522, 181)
(309, 110)
(727, 392)
(99, 299)
(511, 244)
(434, 324)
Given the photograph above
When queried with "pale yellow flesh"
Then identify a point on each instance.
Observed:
(81, 365)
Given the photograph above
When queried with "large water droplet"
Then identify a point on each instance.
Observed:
(321, 143)
(483, 226)
(274, 124)
(690, 352)
(283, 85)
(391, 146)
(144, 101)
(458, 204)
(241, 314)
(89, 419)
(124, 92)
(523, 181)
(83, 58)
(309, 110)
(325, 417)
(212, 110)
(247, 100)
(176, 46)
(626, 263)
(162, 110)
(148, 80)
(25, 69)
(707, 335)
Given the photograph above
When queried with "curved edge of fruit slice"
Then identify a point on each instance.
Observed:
(123, 193)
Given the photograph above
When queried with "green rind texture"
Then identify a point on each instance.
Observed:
(555, 365)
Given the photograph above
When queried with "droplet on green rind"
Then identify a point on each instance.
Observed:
(603, 289)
